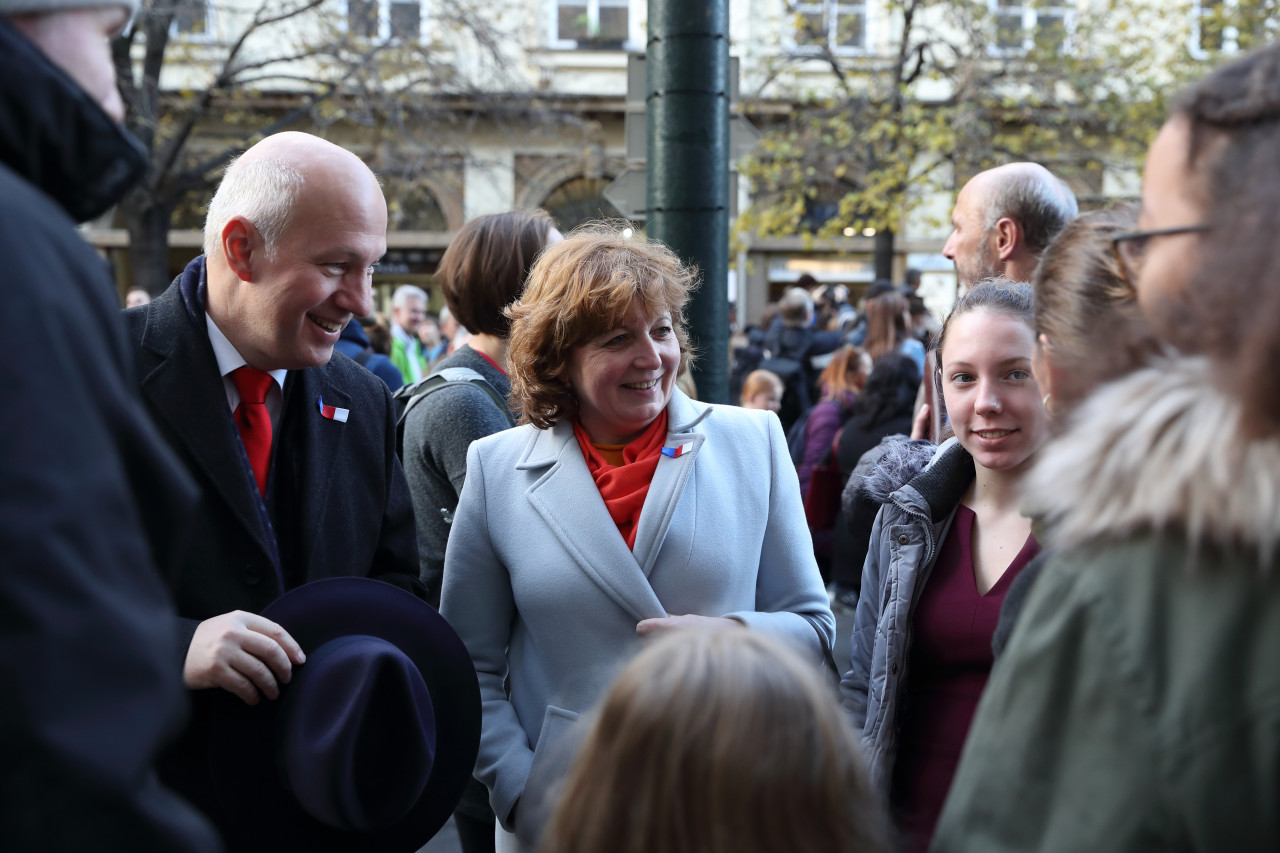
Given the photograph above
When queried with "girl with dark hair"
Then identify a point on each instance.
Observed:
(945, 546)
(884, 408)
(1135, 707)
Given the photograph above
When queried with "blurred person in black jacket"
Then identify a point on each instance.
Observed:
(884, 408)
(92, 503)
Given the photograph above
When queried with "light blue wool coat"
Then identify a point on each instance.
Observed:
(542, 588)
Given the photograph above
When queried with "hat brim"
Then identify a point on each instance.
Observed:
(242, 739)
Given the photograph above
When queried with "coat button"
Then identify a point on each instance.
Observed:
(253, 576)
(903, 540)
(894, 669)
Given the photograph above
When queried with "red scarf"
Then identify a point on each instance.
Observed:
(624, 487)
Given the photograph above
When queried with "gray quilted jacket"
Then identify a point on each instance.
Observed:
(919, 502)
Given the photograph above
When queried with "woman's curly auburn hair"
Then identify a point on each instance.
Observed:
(579, 289)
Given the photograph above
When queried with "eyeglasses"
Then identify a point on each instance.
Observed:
(1131, 247)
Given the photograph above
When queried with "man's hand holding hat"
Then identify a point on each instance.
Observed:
(241, 653)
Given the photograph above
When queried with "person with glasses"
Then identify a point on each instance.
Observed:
(1083, 306)
(1137, 705)
(1003, 220)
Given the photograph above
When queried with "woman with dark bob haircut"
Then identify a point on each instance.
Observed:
(619, 509)
(1137, 704)
(482, 272)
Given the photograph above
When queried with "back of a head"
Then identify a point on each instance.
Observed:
(890, 392)
(717, 742)
(886, 322)
(1032, 196)
(487, 265)
(1232, 307)
(843, 375)
(796, 307)
(1085, 308)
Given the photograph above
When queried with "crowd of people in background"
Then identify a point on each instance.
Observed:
(255, 602)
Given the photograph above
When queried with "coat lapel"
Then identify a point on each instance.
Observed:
(568, 501)
(670, 478)
(315, 443)
(185, 391)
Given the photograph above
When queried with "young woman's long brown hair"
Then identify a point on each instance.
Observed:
(886, 323)
(717, 742)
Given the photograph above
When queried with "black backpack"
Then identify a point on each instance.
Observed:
(797, 434)
(409, 396)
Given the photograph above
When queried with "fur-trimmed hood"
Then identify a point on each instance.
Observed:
(1161, 449)
(899, 461)
(917, 475)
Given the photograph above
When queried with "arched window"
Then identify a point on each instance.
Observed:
(579, 200)
(414, 207)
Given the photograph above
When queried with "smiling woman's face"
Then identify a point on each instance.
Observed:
(992, 399)
(624, 377)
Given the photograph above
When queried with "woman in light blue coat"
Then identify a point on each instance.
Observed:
(619, 509)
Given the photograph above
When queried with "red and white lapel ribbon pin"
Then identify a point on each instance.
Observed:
(673, 452)
(333, 413)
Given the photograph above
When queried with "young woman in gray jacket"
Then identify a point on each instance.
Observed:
(945, 547)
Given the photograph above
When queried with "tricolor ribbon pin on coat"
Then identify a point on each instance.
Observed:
(673, 452)
(333, 413)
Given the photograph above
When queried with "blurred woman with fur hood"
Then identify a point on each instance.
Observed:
(1137, 706)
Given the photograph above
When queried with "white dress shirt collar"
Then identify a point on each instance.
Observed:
(229, 359)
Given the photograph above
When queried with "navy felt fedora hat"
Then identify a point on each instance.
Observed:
(371, 743)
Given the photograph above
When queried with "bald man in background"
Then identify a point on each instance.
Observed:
(1003, 220)
(293, 444)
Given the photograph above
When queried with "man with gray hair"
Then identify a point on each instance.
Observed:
(408, 310)
(1003, 220)
(294, 445)
(88, 636)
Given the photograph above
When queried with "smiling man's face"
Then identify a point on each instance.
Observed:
(292, 312)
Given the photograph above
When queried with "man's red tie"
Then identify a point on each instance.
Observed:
(253, 421)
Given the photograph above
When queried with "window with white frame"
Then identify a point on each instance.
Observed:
(190, 19)
(587, 23)
(1210, 31)
(1229, 26)
(1021, 25)
(385, 19)
(839, 26)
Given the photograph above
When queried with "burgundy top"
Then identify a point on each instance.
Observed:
(950, 661)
